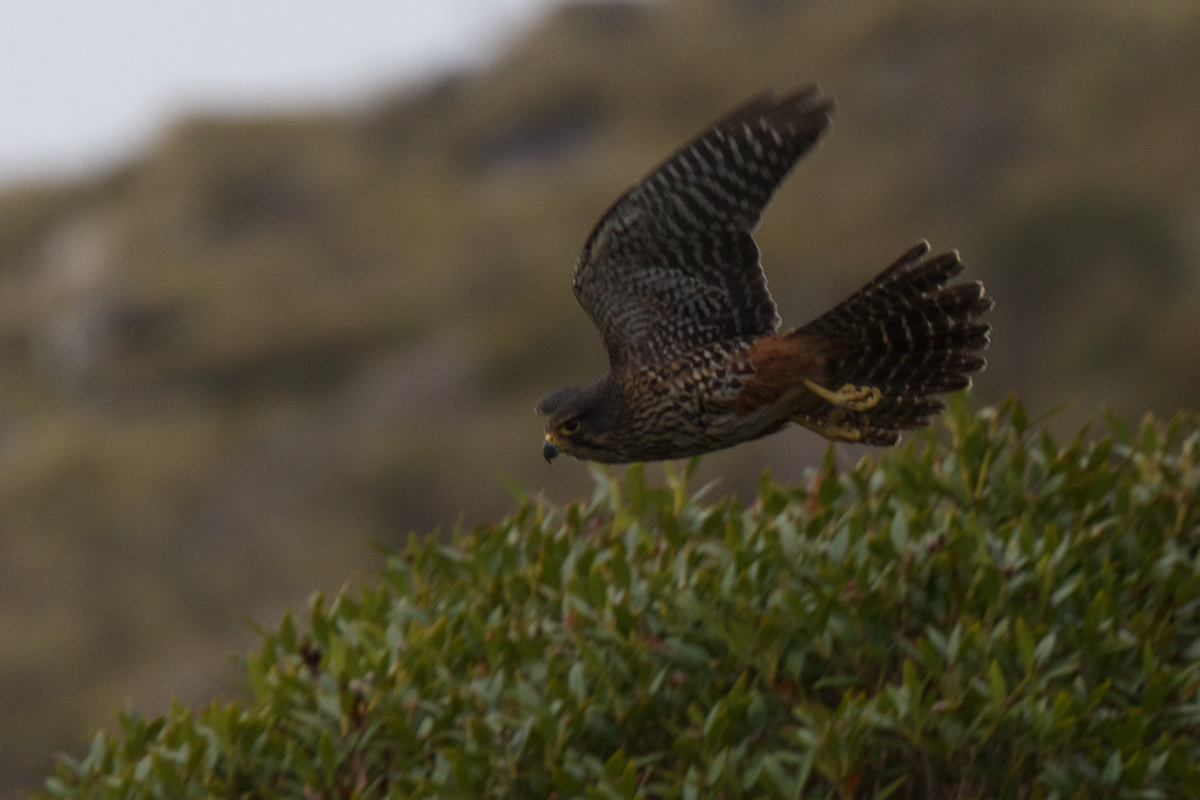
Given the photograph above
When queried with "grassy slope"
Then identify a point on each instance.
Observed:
(232, 361)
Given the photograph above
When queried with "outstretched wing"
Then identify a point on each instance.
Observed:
(672, 265)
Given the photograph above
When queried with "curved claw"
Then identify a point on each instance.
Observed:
(851, 397)
(839, 426)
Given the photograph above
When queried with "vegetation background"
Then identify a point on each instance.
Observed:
(230, 364)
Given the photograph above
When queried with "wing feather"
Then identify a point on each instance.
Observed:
(673, 264)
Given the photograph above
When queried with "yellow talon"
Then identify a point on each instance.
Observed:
(838, 426)
(849, 397)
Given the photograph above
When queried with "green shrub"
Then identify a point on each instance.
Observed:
(992, 615)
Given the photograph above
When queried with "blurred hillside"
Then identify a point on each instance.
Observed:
(231, 364)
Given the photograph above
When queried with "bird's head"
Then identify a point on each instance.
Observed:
(581, 421)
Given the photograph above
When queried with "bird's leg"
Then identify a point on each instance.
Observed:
(850, 397)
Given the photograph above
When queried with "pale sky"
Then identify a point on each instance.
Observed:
(84, 83)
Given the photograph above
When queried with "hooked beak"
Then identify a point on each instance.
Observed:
(549, 449)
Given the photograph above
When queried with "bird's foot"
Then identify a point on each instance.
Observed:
(838, 426)
(851, 397)
(842, 427)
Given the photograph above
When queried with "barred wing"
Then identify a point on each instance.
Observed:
(672, 265)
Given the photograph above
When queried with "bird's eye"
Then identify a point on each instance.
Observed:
(571, 426)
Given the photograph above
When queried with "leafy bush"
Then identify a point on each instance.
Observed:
(990, 615)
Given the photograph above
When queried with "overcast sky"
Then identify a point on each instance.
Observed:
(84, 82)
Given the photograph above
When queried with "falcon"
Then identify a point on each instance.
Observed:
(671, 278)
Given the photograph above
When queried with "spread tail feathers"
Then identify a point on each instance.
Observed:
(907, 334)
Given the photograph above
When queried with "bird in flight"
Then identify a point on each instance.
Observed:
(671, 278)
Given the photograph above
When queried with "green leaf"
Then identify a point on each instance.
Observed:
(615, 765)
(716, 767)
(575, 682)
(996, 684)
(1112, 769)
(1044, 648)
(890, 789)
(899, 530)
(327, 760)
(1025, 644)
(691, 784)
